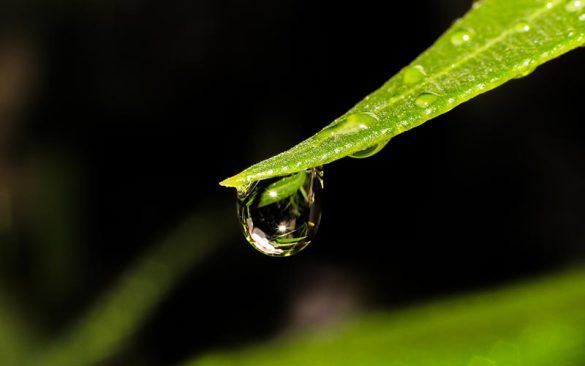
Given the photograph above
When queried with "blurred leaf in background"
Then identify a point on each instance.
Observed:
(536, 323)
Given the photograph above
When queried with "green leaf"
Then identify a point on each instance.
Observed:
(498, 40)
(538, 324)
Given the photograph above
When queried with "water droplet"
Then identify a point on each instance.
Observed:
(575, 5)
(425, 99)
(372, 150)
(477, 4)
(460, 37)
(280, 216)
(413, 74)
(527, 67)
(351, 124)
(522, 27)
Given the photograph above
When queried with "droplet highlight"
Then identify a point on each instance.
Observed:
(425, 100)
(522, 27)
(461, 37)
(414, 74)
(280, 216)
(575, 5)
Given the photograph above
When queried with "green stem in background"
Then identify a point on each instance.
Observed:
(17, 335)
(541, 323)
(496, 41)
(108, 327)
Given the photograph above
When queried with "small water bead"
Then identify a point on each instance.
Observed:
(476, 4)
(358, 121)
(414, 74)
(351, 124)
(527, 67)
(460, 37)
(425, 100)
(575, 5)
(522, 27)
(280, 216)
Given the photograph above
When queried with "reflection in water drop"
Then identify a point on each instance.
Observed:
(280, 216)
(413, 74)
(372, 150)
(425, 99)
(575, 5)
(460, 37)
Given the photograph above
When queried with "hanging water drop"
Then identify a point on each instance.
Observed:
(425, 100)
(280, 216)
(372, 150)
(460, 37)
(575, 5)
(413, 74)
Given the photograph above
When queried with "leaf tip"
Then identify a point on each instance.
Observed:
(229, 183)
(235, 181)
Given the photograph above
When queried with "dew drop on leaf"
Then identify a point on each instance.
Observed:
(280, 216)
(356, 122)
(527, 68)
(413, 74)
(352, 123)
(522, 27)
(575, 5)
(460, 37)
(477, 4)
(425, 99)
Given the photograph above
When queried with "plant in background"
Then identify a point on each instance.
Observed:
(497, 41)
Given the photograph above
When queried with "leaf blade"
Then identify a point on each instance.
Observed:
(495, 42)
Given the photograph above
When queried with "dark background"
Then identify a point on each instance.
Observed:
(121, 117)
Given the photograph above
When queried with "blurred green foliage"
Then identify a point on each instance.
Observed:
(108, 327)
(539, 323)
